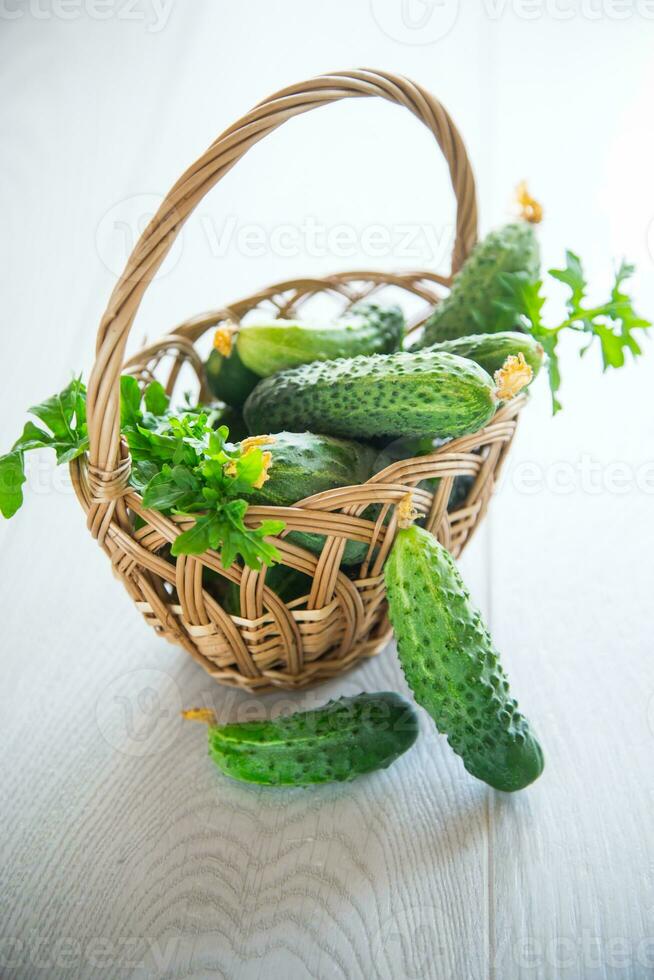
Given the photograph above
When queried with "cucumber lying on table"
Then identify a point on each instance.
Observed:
(452, 666)
(335, 743)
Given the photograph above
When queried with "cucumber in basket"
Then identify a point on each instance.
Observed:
(452, 666)
(401, 449)
(288, 583)
(490, 350)
(408, 393)
(276, 345)
(335, 743)
(471, 306)
(304, 464)
(228, 378)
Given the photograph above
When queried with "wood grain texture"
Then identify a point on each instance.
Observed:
(123, 853)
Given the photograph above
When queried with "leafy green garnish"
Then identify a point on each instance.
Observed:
(156, 399)
(181, 465)
(611, 322)
(64, 418)
(12, 477)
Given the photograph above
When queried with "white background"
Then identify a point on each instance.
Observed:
(116, 829)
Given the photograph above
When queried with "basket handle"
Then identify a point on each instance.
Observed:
(107, 472)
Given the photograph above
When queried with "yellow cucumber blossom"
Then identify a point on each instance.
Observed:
(514, 375)
(223, 340)
(529, 208)
(266, 461)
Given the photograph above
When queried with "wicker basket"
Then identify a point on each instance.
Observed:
(273, 645)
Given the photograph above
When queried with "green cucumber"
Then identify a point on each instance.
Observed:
(335, 743)
(228, 378)
(304, 464)
(471, 306)
(409, 448)
(288, 583)
(452, 666)
(490, 350)
(460, 489)
(271, 346)
(221, 414)
(407, 393)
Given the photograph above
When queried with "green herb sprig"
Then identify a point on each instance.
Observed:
(611, 322)
(182, 464)
(64, 418)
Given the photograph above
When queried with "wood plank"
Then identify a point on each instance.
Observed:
(117, 826)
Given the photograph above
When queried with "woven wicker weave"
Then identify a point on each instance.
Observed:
(272, 644)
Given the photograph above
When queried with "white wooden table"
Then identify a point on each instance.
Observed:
(124, 854)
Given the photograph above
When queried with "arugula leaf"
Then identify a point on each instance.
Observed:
(172, 487)
(198, 538)
(58, 411)
(142, 471)
(156, 399)
(225, 530)
(549, 346)
(152, 445)
(522, 297)
(64, 415)
(69, 451)
(12, 477)
(130, 402)
(572, 276)
(611, 322)
(33, 438)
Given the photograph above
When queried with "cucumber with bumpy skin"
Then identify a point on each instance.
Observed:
(471, 306)
(490, 350)
(277, 345)
(408, 393)
(304, 464)
(452, 666)
(335, 743)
